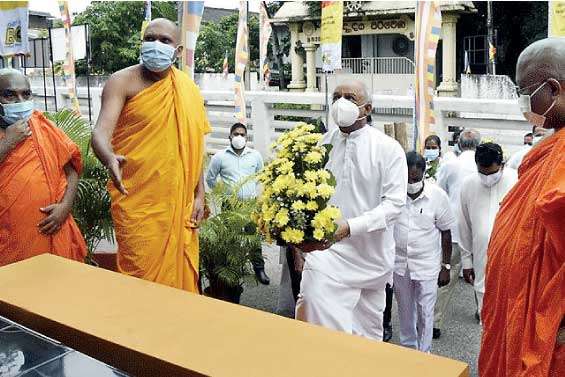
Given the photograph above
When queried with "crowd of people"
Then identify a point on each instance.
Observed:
(412, 223)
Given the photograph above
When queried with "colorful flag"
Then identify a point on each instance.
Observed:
(226, 66)
(428, 29)
(491, 52)
(264, 36)
(330, 35)
(241, 59)
(69, 64)
(190, 27)
(556, 19)
(147, 17)
(13, 28)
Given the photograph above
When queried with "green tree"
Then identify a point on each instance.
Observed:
(115, 28)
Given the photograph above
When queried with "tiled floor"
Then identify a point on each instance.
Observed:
(25, 353)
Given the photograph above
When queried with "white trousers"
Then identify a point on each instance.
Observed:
(416, 300)
(326, 302)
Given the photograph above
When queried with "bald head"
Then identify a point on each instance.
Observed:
(14, 86)
(163, 30)
(540, 61)
(353, 90)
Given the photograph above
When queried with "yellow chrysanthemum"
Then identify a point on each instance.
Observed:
(294, 236)
(313, 157)
(324, 175)
(319, 234)
(298, 205)
(282, 217)
(325, 190)
(311, 205)
(311, 175)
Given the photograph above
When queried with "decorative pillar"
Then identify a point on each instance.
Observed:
(448, 86)
(297, 83)
(311, 67)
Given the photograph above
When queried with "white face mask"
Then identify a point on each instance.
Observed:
(238, 142)
(525, 102)
(345, 113)
(491, 179)
(414, 188)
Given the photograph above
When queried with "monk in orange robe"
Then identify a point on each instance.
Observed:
(150, 136)
(39, 169)
(524, 303)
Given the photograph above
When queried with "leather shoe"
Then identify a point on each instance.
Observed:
(436, 333)
(387, 333)
(262, 277)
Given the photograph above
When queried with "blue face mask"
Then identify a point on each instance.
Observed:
(16, 111)
(157, 56)
(431, 154)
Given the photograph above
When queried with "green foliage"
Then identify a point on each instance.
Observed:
(227, 239)
(115, 28)
(91, 208)
(314, 8)
(217, 38)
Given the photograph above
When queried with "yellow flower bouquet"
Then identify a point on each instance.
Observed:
(293, 208)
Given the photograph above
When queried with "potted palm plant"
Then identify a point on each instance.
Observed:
(227, 240)
(91, 209)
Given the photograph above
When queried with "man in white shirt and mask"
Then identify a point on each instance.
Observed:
(423, 255)
(514, 162)
(343, 287)
(450, 178)
(481, 195)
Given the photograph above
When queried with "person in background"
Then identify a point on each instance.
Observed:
(39, 175)
(432, 154)
(524, 304)
(454, 151)
(481, 195)
(234, 166)
(423, 255)
(450, 179)
(529, 139)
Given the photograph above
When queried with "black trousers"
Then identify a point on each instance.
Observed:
(388, 308)
(295, 276)
(257, 259)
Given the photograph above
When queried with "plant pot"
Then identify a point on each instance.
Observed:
(225, 293)
(106, 260)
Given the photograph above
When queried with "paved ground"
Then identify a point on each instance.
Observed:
(460, 338)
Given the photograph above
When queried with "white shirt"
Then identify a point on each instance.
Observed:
(478, 208)
(371, 174)
(516, 159)
(450, 178)
(418, 233)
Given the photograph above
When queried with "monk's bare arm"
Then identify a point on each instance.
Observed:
(199, 203)
(72, 186)
(113, 99)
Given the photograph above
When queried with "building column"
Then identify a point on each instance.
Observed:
(311, 67)
(297, 83)
(448, 86)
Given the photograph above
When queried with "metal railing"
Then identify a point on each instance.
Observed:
(381, 66)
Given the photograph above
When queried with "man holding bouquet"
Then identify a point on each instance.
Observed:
(343, 286)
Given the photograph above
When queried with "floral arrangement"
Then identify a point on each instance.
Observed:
(293, 207)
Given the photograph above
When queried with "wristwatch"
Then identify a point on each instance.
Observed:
(447, 266)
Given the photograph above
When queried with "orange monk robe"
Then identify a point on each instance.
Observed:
(524, 301)
(161, 132)
(32, 177)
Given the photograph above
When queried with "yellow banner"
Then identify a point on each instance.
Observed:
(556, 19)
(332, 21)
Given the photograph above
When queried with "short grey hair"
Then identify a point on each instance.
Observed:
(469, 140)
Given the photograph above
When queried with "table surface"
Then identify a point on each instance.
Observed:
(103, 313)
(24, 352)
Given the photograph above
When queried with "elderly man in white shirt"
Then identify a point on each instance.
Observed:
(450, 179)
(481, 196)
(343, 287)
(423, 255)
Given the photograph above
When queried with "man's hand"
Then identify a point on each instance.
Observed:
(198, 210)
(115, 166)
(343, 230)
(469, 275)
(298, 260)
(308, 247)
(56, 215)
(17, 132)
(444, 277)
